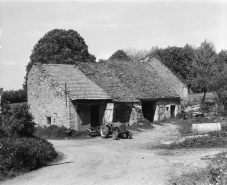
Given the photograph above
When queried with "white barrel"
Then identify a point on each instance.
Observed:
(205, 128)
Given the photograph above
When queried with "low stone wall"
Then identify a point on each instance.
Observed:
(136, 113)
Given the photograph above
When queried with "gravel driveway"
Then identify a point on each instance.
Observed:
(117, 162)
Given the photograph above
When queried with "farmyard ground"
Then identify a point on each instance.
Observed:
(122, 162)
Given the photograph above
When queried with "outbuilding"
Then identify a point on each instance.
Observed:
(88, 94)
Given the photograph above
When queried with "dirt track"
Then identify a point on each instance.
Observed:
(122, 162)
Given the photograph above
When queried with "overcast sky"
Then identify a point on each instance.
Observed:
(106, 26)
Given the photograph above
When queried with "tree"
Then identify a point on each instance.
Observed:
(205, 68)
(5, 114)
(14, 96)
(219, 86)
(120, 55)
(137, 54)
(59, 47)
(177, 59)
(222, 55)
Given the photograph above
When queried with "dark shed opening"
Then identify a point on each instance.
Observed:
(94, 115)
(148, 109)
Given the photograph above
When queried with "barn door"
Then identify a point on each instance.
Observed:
(122, 113)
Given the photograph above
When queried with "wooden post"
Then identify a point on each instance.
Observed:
(65, 95)
(108, 114)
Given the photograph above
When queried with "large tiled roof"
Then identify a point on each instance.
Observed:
(127, 80)
(78, 85)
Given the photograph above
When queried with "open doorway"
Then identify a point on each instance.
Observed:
(94, 115)
(148, 109)
(172, 111)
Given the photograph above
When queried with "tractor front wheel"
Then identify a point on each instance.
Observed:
(115, 135)
(104, 131)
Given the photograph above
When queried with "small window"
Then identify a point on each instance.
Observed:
(167, 108)
(48, 120)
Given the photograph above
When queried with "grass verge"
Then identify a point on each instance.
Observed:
(214, 174)
(212, 140)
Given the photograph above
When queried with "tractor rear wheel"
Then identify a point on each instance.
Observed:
(104, 131)
(128, 135)
(115, 135)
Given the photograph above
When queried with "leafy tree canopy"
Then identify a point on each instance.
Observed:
(120, 55)
(222, 56)
(59, 47)
(14, 96)
(206, 68)
(177, 59)
(138, 54)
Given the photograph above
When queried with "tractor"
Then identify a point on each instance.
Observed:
(115, 129)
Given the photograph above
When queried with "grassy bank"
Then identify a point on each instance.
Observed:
(214, 174)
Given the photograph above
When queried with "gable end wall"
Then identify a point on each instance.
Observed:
(46, 99)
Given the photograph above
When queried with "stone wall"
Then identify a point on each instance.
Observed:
(163, 109)
(48, 103)
(136, 113)
(170, 78)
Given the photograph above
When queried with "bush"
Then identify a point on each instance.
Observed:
(20, 151)
(180, 115)
(208, 107)
(22, 121)
(17, 120)
(25, 154)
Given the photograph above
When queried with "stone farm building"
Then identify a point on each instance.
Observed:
(88, 94)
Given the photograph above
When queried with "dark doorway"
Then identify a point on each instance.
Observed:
(94, 115)
(83, 112)
(122, 113)
(172, 110)
(148, 109)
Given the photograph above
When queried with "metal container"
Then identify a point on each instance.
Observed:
(205, 128)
